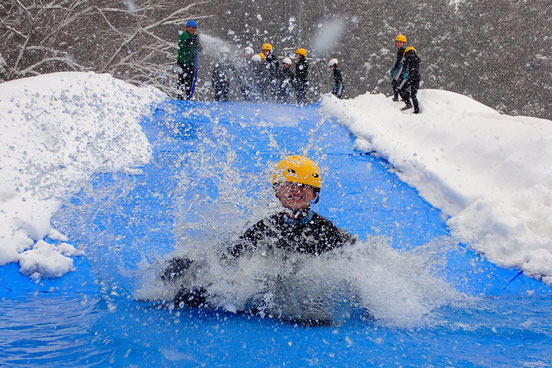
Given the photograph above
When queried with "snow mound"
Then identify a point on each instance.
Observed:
(490, 173)
(56, 131)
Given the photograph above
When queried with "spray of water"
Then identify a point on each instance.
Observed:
(217, 191)
(214, 46)
(327, 37)
(217, 201)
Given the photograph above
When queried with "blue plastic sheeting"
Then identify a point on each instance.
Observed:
(89, 317)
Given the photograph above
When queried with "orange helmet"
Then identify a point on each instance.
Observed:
(302, 52)
(401, 38)
(298, 169)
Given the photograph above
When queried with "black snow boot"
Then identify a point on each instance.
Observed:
(176, 268)
(195, 297)
(416, 106)
(408, 106)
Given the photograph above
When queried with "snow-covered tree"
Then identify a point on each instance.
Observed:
(133, 40)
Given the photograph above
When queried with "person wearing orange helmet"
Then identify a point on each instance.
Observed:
(272, 66)
(410, 79)
(295, 229)
(301, 76)
(396, 70)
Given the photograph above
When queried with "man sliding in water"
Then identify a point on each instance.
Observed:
(296, 229)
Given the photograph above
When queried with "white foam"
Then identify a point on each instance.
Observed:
(371, 277)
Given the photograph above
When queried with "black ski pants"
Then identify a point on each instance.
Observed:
(185, 81)
(413, 93)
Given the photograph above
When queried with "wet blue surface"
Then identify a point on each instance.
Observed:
(90, 318)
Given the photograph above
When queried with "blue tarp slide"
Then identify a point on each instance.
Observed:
(209, 174)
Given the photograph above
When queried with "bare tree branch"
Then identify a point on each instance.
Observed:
(138, 44)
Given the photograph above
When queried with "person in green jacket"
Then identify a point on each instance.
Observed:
(188, 46)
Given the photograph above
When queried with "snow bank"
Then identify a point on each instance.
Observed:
(56, 130)
(491, 173)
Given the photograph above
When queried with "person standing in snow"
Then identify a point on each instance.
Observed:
(337, 89)
(263, 78)
(221, 78)
(410, 79)
(245, 74)
(257, 75)
(396, 70)
(188, 47)
(285, 81)
(272, 66)
(301, 75)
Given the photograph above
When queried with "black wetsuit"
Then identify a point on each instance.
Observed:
(396, 70)
(285, 85)
(337, 89)
(272, 66)
(301, 82)
(221, 80)
(411, 78)
(309, 233)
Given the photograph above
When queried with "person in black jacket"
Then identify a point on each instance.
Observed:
(285, 81)
(272, 66)
(301, 75)
(396, 70)
(245, 75)
(221, 77)
(410, 79)
(337, 89)
(296, 229)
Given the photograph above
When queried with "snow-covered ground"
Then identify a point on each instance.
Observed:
(490, 173)
(56, 130)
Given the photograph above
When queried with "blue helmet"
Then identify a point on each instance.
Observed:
(191, 23)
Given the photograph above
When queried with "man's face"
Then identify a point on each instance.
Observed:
(295, 196)
(266, 52)
(191, 30)
(399, 44)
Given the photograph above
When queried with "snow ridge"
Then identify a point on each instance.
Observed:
(56, 131)
(490, 173)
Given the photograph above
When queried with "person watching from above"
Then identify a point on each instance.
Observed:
(188, 47)
(337, 89)
(396, 70)
(301, 76)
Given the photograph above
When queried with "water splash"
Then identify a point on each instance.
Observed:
(327, 37)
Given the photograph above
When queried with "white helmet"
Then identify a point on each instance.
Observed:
(256, 58)
(248, 51)
(332, 62)
(286, 61)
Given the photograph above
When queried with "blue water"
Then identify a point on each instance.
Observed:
(210, 160)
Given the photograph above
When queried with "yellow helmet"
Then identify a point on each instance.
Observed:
(298, 169)
(401, 38)
(263, 56)
(267, 46)
(301, 52)
(409, 48)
